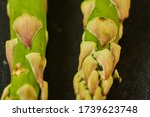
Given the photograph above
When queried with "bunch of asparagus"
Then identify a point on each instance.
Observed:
(26, 50)
(99, 49)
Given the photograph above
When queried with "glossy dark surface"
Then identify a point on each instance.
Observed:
(65, 31)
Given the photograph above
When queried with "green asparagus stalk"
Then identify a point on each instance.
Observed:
(26, 50)
(99, 49)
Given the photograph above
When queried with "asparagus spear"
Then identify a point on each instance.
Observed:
(99, 49)
(26, 50)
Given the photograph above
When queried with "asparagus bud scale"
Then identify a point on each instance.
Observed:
(99, 49)
(26, 49)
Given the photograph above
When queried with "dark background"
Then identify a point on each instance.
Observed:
(65, 31)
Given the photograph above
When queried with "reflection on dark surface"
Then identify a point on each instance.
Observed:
(65, 31)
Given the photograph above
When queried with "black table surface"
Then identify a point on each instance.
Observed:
(64, 22)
